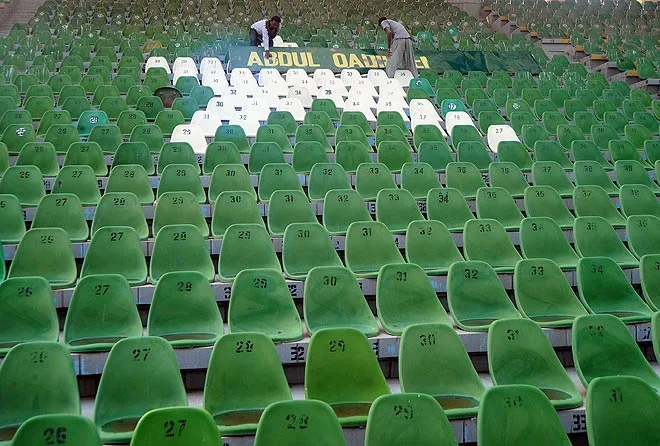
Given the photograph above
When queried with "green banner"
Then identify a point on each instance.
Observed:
(363, 60)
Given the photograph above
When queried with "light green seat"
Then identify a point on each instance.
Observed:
(325, 177)
(643, 234)
(80, 181)
(448, 206)
(542, 237)
(305, 246)
(116, 250)
(306, 155)
(333, 299)
(232, 207)
(25, 183)
(230, 177)
(120, 209)
(544, 201)
(342, 371)
(370, 178)
(183, 310)
(604, 289)
(486, 240)
(592, 200)
(17, 135)
(62, 211)
(507, 175)
(101, 312)
(150, 134)
(405, 296)
(394, 154)
(622, 149)
(551, 151)
(418, 178)
(140, 374)
(261, 302)
(107, 136)
(591, 174)
(465, 177)
(67, 427)
(595, 237)
(134, 153)
(276, 134)
(396, 208)
(47, 253)
(180, 248)
(36, 378)
(433, 361)
(544, 295)
(531, 133)
(312, 132)
(611, 403)
(350, 154)
(633, 172)
(87, 154)
(176, 426)
(328, 106)
(476, 296)
(341, 207)
(396, 418)
(246, 246)
(27, 312)
(518, 415)
(650, 278)
(41, 155)
(298, 431)
(168, 120)
(474, 152)
(583, 150)
(550, 173)
(180, 178)
(175, 208)
(369, 246)
(430, 246)
(176, 153)
(235, 134)
(637, 134)
(496, 203)
(520, 353)
(637, 199)
(218, 153)
(244, 377)
(603, 346)
(277, 176)
(286, 207)
(354, 132)
(12, 224)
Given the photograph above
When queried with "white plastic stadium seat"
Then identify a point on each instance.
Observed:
(191, 134)
(157, 62)
(389, 104)
(457, 118)
(267, 95)
(207, 121)
(499, 133)
(347, 76)
(293, 106)
(216, 80)
(376, 77)
(425, 106)
(327, 93)
(392, 84)
(276, 85)
(360, 106)
(249, 122)
(357, 94)
(365, 86)
(321, 76)
(267, 73)
(302, 95)
(184, 62)
(293, 75)
(278, 42)
(309, 84)
(209, 64)
(403, 77)
(246, 85)
(421, 117)
(256, 107)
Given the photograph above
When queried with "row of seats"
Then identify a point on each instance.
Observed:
(246, 382)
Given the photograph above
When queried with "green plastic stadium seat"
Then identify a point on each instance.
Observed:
(436, 153)
(80, 181)
(176, 153)
(36, 254)
(595, 237)
(116, 250)
(140, 374)
(107, 136)
(25, 183)
(184, 311)
(404, 297)
(246, 246)
(508, 176)
(418, 178)
(230, 177)
(603, 346)
(341, 207)
(76, 428)
(604, 289)
(474, 152)
(512, 342)
(369, 246)
(350, 154)
(637, 199)
(174, 208)
(594, 201)
(12, 224)
(41, 155)
(102, 311)
(261, 302)
(452, 381)
(496, 203)
(232, 207)
(120, 209)
(370, 178)
(621, 149)
(298, 431)
(465, 177)
(394, 154)
(333, 299)
(150, 134)
(542, 237)
(486, 240)
(514, 152)
(551, 151)
(476, 296)
(220, 153)
(134, 153)
(179, 178)
(602, 134)
(532, 133)
(430, 245)
(87, 154)
(37, 378)
(643, 233)
(189, 425)
(26, 320)
(544, 295)
(244, 377)
(325, 177)
(516, 415)
(181, 248)
(356, 379)
(591, 174)
(583, 150)
(632, 172)
(637, 134)
(448, 206)
(62, 211)
(391, 421)
(277, 176)
(550, 173)
(305, 246)
(286, 207)
(276, 134)
(306, 155)
(396, 208)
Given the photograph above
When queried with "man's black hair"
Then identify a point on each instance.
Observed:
(276, 18)
(381, 20)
